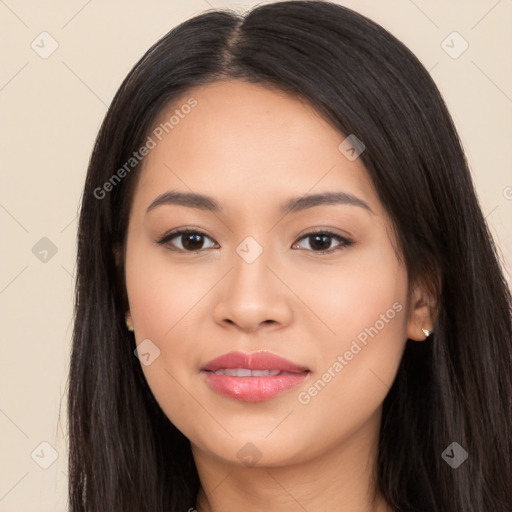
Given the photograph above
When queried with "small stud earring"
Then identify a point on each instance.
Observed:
(129, 327)
(426, 332)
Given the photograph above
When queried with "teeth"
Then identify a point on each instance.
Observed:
(261, 373)
(246, 372)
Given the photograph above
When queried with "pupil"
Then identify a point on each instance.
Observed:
(192, 247)
(320, 237)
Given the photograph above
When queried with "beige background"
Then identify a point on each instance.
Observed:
(51, 111)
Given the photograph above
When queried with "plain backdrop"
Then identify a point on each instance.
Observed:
(51, 108)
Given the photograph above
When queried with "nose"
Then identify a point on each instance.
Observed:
(254, 296)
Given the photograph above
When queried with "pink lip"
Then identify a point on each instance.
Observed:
(253, 361)
(253, 389)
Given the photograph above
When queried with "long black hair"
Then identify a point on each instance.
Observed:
(124, 453)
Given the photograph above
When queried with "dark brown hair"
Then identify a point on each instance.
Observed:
(124, 453)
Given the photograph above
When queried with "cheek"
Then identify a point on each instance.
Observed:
(352, 295)
(160, 294)
(163, 301)
(364, 303)
(169, 302)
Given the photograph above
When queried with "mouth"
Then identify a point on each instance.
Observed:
(253, 377)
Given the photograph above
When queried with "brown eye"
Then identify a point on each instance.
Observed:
(320, 241)
(191, 240)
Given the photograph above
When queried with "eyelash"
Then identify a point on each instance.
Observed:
(174, 234)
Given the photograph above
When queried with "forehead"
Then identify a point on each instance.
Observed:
(240, 140)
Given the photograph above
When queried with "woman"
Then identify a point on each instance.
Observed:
(287, 295)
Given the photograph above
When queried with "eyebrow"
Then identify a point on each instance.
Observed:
(202, 202)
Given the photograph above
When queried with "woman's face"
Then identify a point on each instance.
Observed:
(255, 279)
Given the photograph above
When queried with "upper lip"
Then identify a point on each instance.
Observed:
(253, 361)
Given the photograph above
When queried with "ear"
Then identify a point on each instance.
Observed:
(422, 305)
(129, 322)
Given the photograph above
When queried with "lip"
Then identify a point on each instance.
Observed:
(253, 389)
(253, 361)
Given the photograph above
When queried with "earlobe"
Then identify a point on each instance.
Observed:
(420, 322)
(129, 323)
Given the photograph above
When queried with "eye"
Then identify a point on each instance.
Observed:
(192, 240)
(321, 241)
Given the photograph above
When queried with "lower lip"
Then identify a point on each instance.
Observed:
(253, 389)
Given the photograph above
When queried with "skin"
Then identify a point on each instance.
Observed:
(251, 148)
